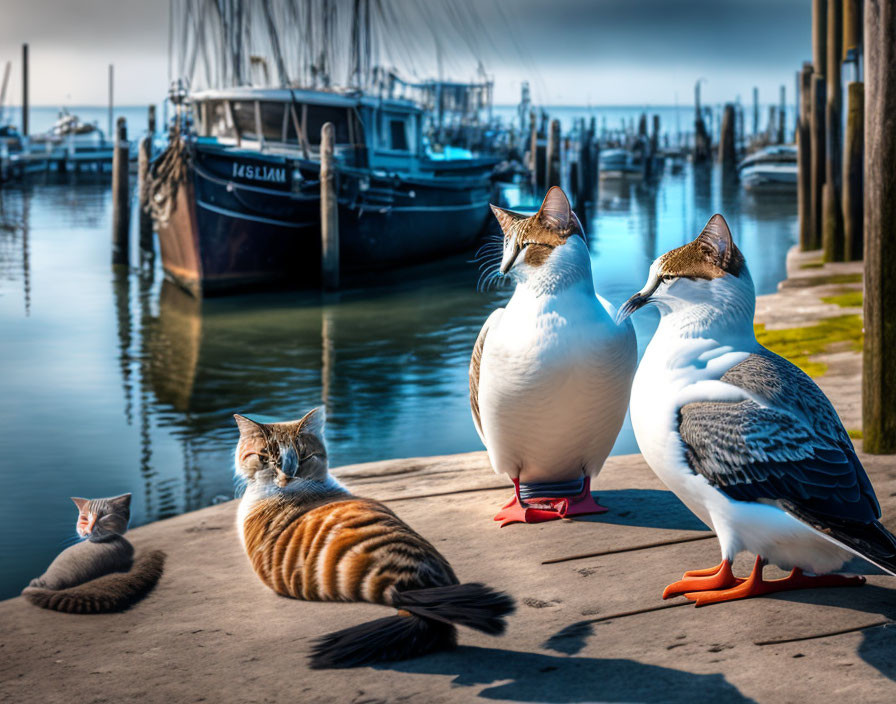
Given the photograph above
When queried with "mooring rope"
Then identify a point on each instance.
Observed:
(165, 176)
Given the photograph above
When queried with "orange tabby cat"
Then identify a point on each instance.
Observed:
(307, 537)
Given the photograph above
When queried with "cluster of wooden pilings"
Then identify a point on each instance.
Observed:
(573, 160)
(831, 160)
(847, 178)
(121, 192)
(549, 155)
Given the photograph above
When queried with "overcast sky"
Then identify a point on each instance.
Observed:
(611, 52)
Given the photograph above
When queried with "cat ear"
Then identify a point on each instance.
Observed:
(248, 427)
(506, 218)
(555, 212)
(314, 421)
(122, 502)
(716, 242)
(79, 502)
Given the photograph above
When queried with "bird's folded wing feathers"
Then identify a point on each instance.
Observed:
(752, 452)
(475, 363)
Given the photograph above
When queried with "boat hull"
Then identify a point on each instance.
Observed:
(224, 235)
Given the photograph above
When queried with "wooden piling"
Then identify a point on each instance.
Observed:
(832, 228)
(782, 114)
(702, 140)
(24, 90)
(727, 147)
(111, 96)
(586, 166)
(121, 201)
(144, 156)
(804, 160)
(818, 159)
(575, 184)
(533, 149)
(819, 36)
(852, 26)
(552, 155)
(853, 156)
(755, 111)
(879, 359)
(329, 211)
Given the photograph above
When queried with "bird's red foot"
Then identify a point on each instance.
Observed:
(755, 585)
(718, 577)
(548, 509)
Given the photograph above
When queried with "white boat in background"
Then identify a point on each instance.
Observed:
(70, 145)
(771, 169)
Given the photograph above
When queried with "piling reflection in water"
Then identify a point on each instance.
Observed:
(126, 383)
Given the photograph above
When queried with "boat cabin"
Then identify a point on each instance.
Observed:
(369, 132)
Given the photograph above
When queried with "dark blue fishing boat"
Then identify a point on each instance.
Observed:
(236, 196)
(248, 211)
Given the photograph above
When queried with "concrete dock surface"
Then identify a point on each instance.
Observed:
(590, 626)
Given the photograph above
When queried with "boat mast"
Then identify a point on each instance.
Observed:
(3, 91)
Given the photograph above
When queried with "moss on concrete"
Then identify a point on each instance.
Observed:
(800, 344)
(845, 299)
(814, 264)
(842, 279)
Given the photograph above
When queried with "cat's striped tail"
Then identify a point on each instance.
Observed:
(425, 623)
(111, 592)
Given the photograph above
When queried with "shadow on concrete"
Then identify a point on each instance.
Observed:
(535, 677)
(878, 647)
(648, 508)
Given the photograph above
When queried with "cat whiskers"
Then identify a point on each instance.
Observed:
(239, 485)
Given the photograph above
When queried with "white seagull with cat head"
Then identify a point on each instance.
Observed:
(744, 438)
(551, 373)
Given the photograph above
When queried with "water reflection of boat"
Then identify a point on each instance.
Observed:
(771, 169)
(368, 357)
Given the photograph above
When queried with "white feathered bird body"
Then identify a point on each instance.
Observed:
(743, 437)
(551, 373)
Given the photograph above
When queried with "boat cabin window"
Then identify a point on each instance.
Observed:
(398, 135)
(319, 114)
(244, 116)
(217, 120)
(396, 132)
(272, 114)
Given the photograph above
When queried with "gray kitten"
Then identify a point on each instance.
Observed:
(98, 574)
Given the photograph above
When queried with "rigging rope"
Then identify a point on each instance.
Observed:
(165, 177)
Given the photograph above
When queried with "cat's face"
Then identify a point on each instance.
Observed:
(282, 453)
(539, 241)
(101, 519)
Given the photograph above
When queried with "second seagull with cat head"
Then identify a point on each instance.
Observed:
(708, 272)
(744, 438)
(550, 374)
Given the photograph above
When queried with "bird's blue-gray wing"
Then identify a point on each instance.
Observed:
(790, 448)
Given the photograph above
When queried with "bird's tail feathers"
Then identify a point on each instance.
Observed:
(871, 542)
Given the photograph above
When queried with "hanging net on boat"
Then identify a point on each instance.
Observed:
(165, 177)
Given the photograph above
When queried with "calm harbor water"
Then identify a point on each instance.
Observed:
(118, 381)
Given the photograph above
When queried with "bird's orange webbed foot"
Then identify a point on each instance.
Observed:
(718, 577)
(755, 585)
